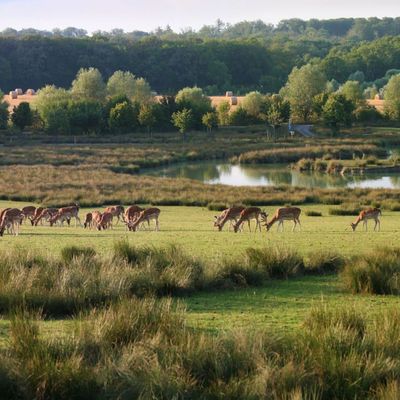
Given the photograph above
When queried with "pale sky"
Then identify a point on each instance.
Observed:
(148, 14)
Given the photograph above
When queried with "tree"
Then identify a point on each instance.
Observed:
(52, 105)
(22, 115)
(4, 113)
(147, 117)
(392, 97)
(89, 85)
(183, 120)
(121, 83)
(85, 116)
(253, 103)
(142, 93)
(303, 84)
(123, 117)
(223, 112)
(210, 120)
(337, 110)
(352, 90)
(194, 99)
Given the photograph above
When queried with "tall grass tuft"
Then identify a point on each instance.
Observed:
(71, 252)
(376, 273)
(320, 263)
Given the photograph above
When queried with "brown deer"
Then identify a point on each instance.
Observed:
(46, 214)
(92, 219)
(29, 212)
(116, 211)
(247, 215)
(66, 214)
(105, 221)
(285, 214)
(88, 221)
(365, 215)
(38, 211)
(11, 218)
(131, 213)
(229, 215)
(145, 215)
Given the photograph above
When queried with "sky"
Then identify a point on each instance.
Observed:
(147, 15)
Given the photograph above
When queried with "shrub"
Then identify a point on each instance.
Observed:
(320, 263)
(346, 209)
(311, 213)
(216, 206)
(376, 273)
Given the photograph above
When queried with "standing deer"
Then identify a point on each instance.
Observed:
(145, 215)
(105, 221)
(46, 214)
(11, 218)
(29, 212)
(229, 215)
(247, 215)
(66, 214)
(285, 214)
(365, 215)
(116, 211)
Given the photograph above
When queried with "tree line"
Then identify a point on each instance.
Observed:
(217, 65)
(125, 103)
(355, 29)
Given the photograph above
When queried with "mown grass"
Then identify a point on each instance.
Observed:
(191, 228)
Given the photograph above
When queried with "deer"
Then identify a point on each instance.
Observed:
(105, 221)
(131, 213)
(92, 219)
(46, 214)
(247, 215)
(146, 215)
(116, 211)
(29, 212)
(285, 214)
(365, 215)
(38, 211)
(230, 214)
(12, 218)
(66, 213)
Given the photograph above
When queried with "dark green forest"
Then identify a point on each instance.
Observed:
(242, 57)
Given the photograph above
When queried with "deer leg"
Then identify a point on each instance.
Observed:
(294, 225)
(157, 225)
(248, 221)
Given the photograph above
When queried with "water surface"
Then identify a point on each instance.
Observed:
(214, 172)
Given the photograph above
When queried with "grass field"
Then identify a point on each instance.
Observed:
(192, 228)
(280, 305)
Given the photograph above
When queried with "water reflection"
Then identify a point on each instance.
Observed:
(270, 175)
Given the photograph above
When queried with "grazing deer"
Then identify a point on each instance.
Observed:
(38, 211)
(11, 218)
(29, 212)
(66, 214)
(92, 219)
(131, 213)
(285, 214)
(230, 214)
(116, 211)
(105, 221)
(365, 215)
(145, 215)
(247, 215)
(45, 214)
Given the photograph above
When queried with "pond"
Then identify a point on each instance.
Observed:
(214, 172)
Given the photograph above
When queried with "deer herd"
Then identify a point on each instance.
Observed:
(136, 218)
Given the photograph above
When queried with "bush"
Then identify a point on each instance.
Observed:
(374, 273)
(346, 209)
(320, 263)
(311, 213)
(216, 207)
